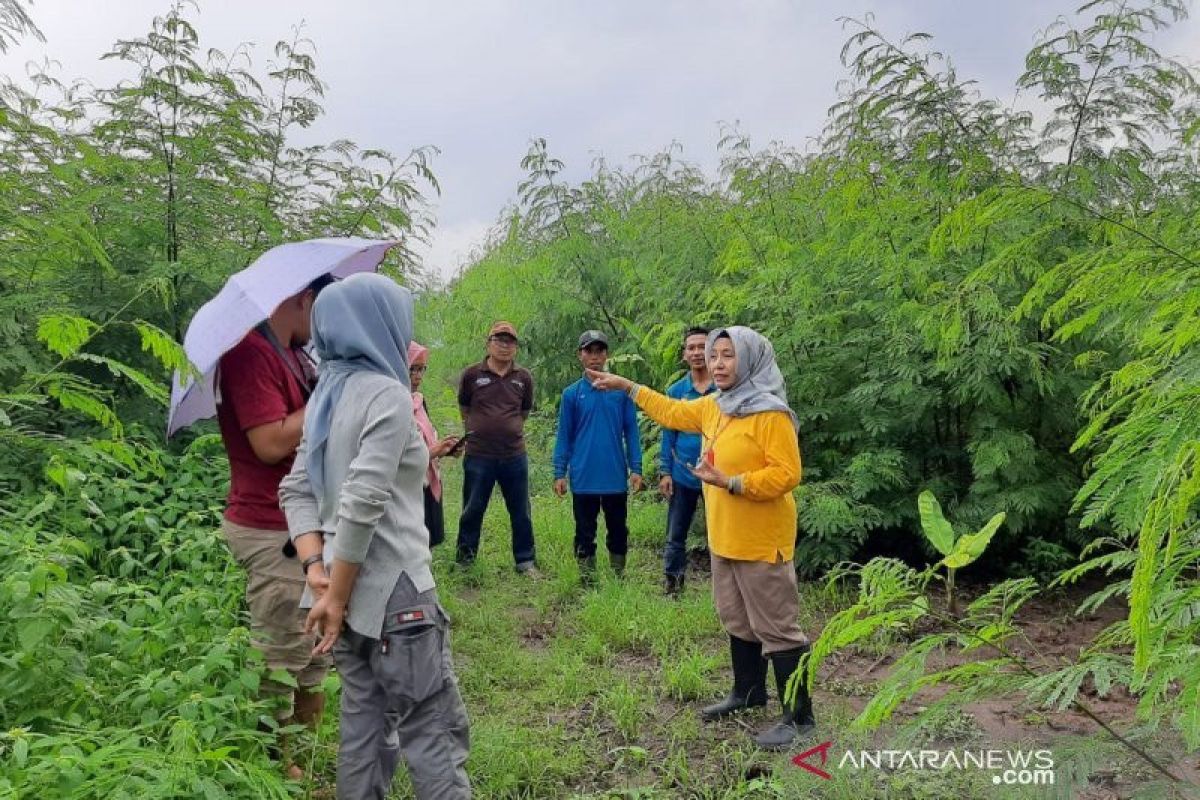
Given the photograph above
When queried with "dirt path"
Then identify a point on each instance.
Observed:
(1053, 637)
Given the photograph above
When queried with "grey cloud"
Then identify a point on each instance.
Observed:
(479, 79)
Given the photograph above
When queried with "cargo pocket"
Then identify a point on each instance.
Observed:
(411, 654)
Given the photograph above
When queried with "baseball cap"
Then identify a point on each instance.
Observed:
(503, 327)
(592, 337)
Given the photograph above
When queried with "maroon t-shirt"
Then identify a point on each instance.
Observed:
(256, 388)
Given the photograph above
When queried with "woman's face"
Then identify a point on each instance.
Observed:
(416, 370)
(723, 363)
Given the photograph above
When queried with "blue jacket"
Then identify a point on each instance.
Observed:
(591, 425)
(686, 445)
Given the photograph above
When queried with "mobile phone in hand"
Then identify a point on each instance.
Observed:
(460, 444)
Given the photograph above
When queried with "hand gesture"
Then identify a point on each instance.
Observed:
(443, 446)
(709, 473)
(326, 618)
(560, 486)
(666, 486)
(607, 380)
(635, 481)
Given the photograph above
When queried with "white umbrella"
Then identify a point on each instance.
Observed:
(248, 298)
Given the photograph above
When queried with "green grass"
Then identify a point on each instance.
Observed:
(593, 693)
(572, 692)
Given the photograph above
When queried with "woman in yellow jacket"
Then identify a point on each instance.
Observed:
(749, 465)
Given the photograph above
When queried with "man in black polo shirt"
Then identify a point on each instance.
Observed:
(495, 397)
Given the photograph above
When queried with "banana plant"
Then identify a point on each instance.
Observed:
(957, 551)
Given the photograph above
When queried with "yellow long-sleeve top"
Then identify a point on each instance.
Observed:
(761, 453)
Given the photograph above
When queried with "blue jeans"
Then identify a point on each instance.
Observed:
(679, 519)
(480, 475)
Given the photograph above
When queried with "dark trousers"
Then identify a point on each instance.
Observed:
(480, 475)
(679, 520)
(435, 519)
(400, 700)
(587, 510)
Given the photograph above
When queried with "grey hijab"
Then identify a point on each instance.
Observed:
(758, 385)
(361, 324)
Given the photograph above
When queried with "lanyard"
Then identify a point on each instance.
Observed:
(712, 441)
(293, 364)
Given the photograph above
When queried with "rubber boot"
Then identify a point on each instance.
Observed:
(617, 562)
(587, 570)
(308, 707)
(673, 585)
(749, 680)
(798, 717)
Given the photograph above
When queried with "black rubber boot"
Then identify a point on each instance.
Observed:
(587, 570)
(798, 717)
(617, 562)
(673, 585)
(749, 680)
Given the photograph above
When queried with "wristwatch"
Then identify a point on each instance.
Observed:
(308, 562)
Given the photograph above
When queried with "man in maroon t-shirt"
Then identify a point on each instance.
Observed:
(263, 384)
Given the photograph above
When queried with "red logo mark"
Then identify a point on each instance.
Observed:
(802, 760)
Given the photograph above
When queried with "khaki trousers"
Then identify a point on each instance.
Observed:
(274, 584)
(757, 601)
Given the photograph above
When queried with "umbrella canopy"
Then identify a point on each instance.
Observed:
(248, 298)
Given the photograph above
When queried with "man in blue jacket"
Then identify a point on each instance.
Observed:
(598, 447)
(677, 484)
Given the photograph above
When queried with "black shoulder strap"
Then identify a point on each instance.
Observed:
(265, 331)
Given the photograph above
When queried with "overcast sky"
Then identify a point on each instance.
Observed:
(613, 78)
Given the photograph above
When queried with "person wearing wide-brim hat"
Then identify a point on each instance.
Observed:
(749, 465)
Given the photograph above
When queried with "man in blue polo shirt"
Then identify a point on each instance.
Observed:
(599, 448)
(677, 483)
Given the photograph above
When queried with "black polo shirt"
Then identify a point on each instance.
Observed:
(496, 409)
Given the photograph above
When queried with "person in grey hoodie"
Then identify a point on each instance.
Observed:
(354, 502)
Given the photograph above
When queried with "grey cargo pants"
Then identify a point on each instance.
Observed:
(400, 698)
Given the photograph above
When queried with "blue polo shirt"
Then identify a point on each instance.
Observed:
(597, 441)
(686, 445)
